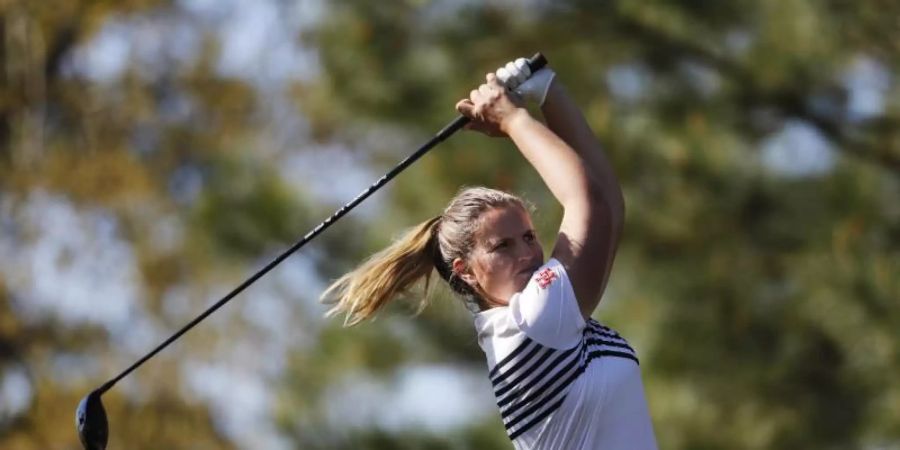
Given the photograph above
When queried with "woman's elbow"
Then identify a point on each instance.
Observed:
(609, 203)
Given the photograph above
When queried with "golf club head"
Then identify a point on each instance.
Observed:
(90, 419)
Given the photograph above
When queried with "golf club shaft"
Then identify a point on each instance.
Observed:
(536, 62)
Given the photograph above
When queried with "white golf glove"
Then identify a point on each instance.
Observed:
(515, 76)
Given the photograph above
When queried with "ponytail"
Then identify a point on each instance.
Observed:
(386, 274)
(433, 244)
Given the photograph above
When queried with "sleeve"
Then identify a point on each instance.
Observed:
(547, 310)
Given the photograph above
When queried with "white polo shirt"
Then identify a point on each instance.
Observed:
(560, 382)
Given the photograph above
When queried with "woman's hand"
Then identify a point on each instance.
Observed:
(517, 77)
(492, 108)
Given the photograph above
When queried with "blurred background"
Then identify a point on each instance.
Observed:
(154, 153)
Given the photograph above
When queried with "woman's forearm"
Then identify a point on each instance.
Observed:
(566, 173)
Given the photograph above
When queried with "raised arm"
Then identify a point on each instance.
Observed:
(590, 230)
(568, 158)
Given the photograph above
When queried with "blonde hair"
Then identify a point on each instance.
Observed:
(432, 244)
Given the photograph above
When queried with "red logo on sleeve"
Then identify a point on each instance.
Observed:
(545, 278)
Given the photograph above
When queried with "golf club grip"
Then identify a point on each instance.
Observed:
(535, 63)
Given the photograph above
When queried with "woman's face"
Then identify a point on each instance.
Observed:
(505, 255)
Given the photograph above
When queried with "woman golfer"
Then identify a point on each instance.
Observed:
(561, 379)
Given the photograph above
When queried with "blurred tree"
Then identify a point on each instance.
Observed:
(757, 143)
(112, 146)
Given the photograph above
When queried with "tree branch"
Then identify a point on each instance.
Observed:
(789, 100)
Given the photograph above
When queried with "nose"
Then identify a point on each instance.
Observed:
(530, 251)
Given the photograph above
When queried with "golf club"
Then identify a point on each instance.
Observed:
(90, 416)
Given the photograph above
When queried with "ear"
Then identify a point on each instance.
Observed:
(462, 271)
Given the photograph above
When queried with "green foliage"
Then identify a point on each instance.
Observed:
(244, 209)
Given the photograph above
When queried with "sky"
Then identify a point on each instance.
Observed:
(84, 257)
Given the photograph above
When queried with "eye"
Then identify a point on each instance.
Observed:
(500, 245)
(530, 237)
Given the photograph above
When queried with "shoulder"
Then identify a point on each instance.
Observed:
(547, 309)
(545, 312)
